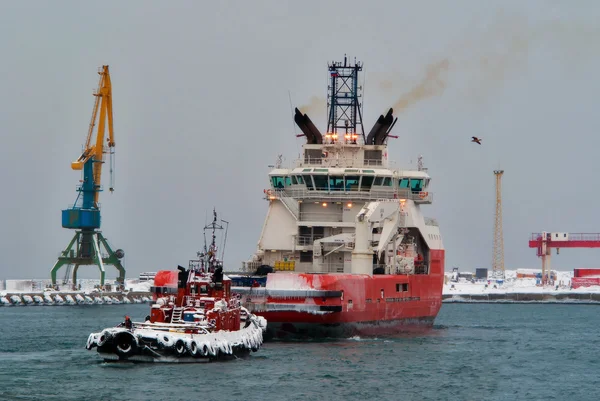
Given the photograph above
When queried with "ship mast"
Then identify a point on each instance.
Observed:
(345, 116)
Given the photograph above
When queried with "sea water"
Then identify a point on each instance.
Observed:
(474, 352)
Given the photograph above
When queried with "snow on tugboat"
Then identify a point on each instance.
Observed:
(194, 318)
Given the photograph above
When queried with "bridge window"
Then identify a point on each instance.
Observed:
(378, 181)
(309, 182)
(336, 183)
(387, 182)
(416, 185)
(352, 183)
(288, 181)
(404, 183)
(320, 182)
(277, 182)
(365, 182)
(294, 181)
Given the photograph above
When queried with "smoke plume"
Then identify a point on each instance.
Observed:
(433, 84)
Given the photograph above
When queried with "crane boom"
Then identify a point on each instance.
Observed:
(96, 151)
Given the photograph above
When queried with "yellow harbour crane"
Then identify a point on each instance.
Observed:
(84, 215)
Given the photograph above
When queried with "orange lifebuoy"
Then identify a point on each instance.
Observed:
(423, 195)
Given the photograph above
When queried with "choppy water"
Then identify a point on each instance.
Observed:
(475, 352)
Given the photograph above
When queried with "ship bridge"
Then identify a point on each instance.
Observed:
(349, 183)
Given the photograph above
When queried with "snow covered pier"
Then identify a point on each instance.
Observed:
(525, 297)
(520, 286)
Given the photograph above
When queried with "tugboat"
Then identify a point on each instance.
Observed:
(345, 248)
(194, 318)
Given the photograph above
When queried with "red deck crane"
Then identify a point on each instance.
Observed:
(545, 241)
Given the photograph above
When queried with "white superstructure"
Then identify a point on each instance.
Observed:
(342, 207)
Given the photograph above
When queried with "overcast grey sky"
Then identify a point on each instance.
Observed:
(201, 108)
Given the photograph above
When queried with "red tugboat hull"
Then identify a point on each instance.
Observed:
(344, 305)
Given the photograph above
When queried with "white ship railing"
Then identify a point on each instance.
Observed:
(307, 240)
(347, 162)
(418, 197)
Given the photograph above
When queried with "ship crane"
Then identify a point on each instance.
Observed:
(545, 241)
(84, 216)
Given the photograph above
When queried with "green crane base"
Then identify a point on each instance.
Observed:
(87, 253)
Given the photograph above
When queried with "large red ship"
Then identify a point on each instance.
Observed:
(345, 249)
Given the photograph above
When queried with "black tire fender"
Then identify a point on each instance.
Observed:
(125, 344)
(179, 347)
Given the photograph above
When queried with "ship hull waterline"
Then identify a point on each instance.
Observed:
(332, 305)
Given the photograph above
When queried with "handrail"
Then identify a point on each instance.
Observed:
(571, 237)
(305, 193)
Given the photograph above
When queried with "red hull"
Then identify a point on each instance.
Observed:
(334, 305)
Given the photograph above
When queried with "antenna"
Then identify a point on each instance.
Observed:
(225, 241)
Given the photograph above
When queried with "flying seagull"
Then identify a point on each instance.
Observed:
(476, 140)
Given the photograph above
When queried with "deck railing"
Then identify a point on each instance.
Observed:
(571, 237)
(418, 197)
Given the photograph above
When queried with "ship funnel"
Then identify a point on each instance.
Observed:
(381, 129)
(313, 136)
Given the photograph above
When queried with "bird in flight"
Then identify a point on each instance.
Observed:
(476, 140)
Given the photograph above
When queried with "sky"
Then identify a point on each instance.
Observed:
(201, 100)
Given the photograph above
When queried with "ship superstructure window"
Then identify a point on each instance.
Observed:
(365, 182)
(336, 183)
(300, 179)
(352, 183)
(306, 257)
(309, 182)
(383, 181)
(404, 183)
(401, 287)
(288, 181)
(320, 182)
(294, 181)
(277, 182)
(416, 185)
